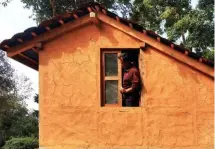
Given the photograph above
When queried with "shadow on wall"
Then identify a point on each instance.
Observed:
(78, 40)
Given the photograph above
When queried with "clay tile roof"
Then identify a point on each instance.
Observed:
(57, 21)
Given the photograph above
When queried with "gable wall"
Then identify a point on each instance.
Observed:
(179, 102)
(70, 114)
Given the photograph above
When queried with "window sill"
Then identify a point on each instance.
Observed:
(120, 109)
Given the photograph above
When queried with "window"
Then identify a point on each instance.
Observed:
(112, 75)
(111, 78)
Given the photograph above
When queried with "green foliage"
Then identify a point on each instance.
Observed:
(45, 9)
(177, 19)
(146, 13)
(193, 28)
(161, 16)
(21, 143)
(36, 98)
(36, 112)
(15, 119)
(209, 54)
(7, 85)
(6, 77)
(13, 88)
(18, 122)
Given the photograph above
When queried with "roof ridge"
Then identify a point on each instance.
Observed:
(66, 17)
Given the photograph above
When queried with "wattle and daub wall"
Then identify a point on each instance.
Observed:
(177, 101)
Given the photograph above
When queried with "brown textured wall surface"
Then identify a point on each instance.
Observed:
(177, 102)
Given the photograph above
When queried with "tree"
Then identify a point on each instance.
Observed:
(7, 84)
(201, 27)
(179, 21)
(22, 143)
(13, 87)
(18, 122)
(36, 99)
(163, 16)
(5, 2)
(23, 86)
(15, 119)
(46, 9)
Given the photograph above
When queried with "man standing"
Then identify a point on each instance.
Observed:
(131, 82)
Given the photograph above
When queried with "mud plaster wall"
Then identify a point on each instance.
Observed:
(177, 110)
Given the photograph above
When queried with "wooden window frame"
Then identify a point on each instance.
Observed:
(104, 78)
(119, 77)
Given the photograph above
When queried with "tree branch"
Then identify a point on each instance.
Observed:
(52, 2)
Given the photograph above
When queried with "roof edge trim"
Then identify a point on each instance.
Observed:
(50, 35)
(157, 45)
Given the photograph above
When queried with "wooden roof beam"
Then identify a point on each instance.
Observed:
(61, 22)
(12, 51)
(20, 40)
(6, 46)
(16, 50)
(75, 16)
(33, 34)
(142, 45)
(25, 61)
(97, 8)
(28, 58)
(35, 50)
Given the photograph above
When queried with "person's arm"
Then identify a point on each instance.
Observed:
(132, 88)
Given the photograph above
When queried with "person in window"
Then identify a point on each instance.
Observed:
(131, 82)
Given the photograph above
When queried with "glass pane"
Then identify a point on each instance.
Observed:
(111, 92)
(111, 68)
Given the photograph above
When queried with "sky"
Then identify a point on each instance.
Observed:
(14, 19)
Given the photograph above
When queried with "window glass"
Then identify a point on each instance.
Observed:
(111, 91)
(111, 67)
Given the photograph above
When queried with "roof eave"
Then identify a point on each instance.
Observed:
(115, 22)
(156, 44)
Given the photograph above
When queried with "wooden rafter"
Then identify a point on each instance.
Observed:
(25, 61)
(158, 39)
(16, 50)
(142, 37)
(142, 45)
(172, 46)
(61, 22)
(6, 46)
(75, 16)
(28, 58)
(20, 40)
(35, 50)
(48, 36)
(33, 34)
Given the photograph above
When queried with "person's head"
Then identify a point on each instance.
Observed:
(125, 61)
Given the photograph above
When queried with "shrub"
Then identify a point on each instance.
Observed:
(21, 143)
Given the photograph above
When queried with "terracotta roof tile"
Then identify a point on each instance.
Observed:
(57, 21)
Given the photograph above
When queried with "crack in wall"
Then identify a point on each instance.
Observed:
(72, 100)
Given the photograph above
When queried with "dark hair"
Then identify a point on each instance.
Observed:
(124, 57)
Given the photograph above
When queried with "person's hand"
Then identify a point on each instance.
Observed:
(122, 90)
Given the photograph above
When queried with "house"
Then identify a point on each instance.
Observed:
(71, 53)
